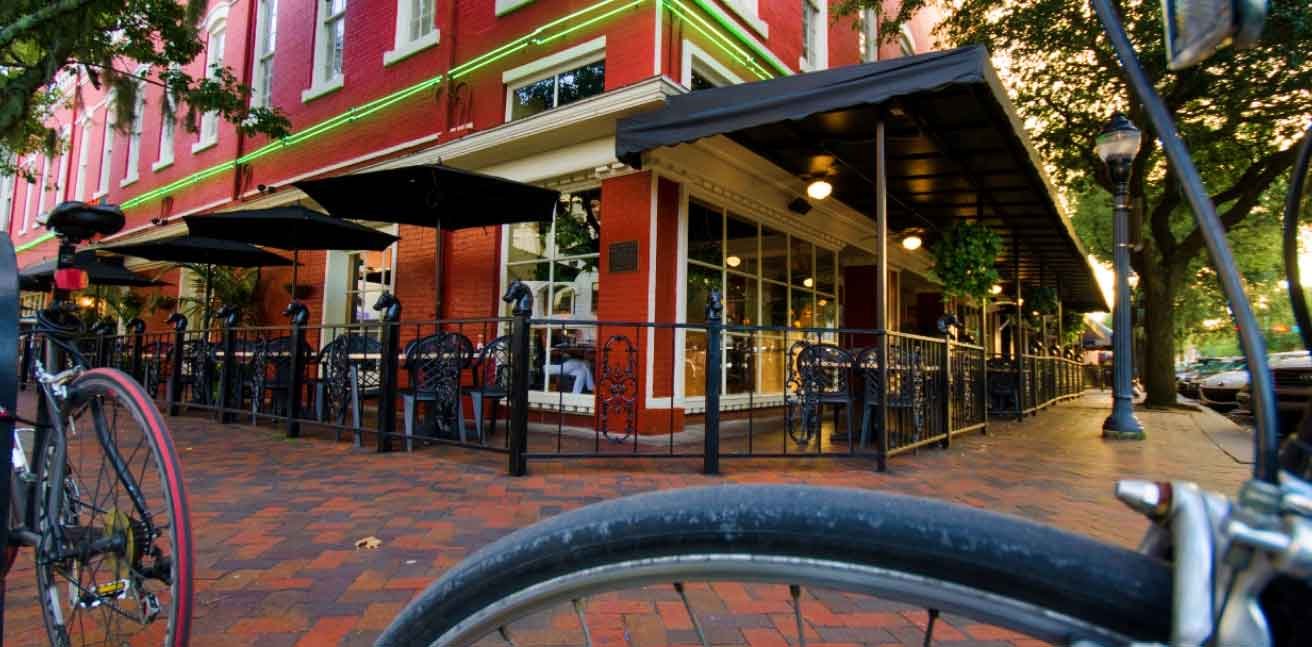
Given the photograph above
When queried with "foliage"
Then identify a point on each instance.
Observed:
(964, 259)
(1072, 326)
(46, 47)
(1041, 299)
(232, 286)
(125, 304)
(1241, 112)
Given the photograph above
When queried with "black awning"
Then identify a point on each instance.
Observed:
(290, 227)
(955, 149)
(200, 251)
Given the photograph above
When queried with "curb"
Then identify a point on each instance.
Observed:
(1229, 437)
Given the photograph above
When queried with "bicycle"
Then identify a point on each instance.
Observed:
(1210, 570)
(96, 488)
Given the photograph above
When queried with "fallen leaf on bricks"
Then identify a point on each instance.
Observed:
(369, 543)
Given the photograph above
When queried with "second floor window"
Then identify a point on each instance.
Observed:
(421, 18)
(83, 161)
(134, 138)
(166, 133)
(209, 122)
(558, 89)
(266, 39)
(333, 38)
(810, 33)
(106, 155)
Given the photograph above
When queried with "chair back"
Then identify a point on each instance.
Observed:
(362, 352)
(435, 362)
(274, 360)
(867, 363)
(825, 370)
(492, 371)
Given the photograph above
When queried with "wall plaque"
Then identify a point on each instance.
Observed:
(624, 257)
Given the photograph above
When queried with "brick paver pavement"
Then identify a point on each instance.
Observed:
(275, 521)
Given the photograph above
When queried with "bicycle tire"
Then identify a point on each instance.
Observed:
(112, 383)
(1119, 594)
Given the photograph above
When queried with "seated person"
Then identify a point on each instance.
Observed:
(576, 369)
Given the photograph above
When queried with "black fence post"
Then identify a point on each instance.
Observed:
(948, 385)
(714, 361)
(390, 308)
(298, 314)
(137, 328)
(521, 299)
(229, 385)
(175, 369)
(881, 418)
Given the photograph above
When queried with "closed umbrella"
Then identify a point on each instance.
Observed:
(291, 227)
(204, 251)
(433, 196)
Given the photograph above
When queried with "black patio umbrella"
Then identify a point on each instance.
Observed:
(38, 277)
(433, 196)
(292, 227)
(199, 250)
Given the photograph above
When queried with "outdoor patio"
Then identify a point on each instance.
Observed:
(276, 520)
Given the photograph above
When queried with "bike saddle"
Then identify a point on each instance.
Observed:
(77, 221)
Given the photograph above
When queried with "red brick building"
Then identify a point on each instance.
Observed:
(525, 89)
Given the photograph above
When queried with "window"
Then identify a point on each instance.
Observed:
(906, 40)
(106, 153)
(61, 171)
(83, 161)
(815, 36)
(750, 12)
(328, 49)
(134, 137)
(702, 71)
(209, 122)
(559, 263)
(166, 131)
(6, 201)
(768, 279)
(868, 37)
(558, 89)
(266, 39)
(415, 29)
(27, 199)
(370, 274)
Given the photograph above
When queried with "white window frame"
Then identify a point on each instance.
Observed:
(504, 7)
(870, 32)
(907, 40)
(27, 199)
(133, 172)
(266, 31)
(699, 60)
(61, 168)
(106, 152)
(337, 274)
(6, 201)
(215, 51)
(750, 12)
(548, 66)
(319, 84)
(404, 46)
(819, 58)
(167, 132)
(83, 160)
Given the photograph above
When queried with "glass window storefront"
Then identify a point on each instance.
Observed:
(766, 278)
(558, 261)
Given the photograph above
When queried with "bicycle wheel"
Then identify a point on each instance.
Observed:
(834, 550)
(116, 568)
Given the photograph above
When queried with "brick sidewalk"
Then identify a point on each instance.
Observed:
(275, 521)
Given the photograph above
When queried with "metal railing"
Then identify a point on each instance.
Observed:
(558, 389)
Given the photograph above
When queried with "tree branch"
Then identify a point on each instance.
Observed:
(44, 14)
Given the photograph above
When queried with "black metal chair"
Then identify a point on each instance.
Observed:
(867, 363)
(273, 373)
(434, 365)
(350, 373)
(198, 371)
(1004, 391)
(492, 374)
(825, 378)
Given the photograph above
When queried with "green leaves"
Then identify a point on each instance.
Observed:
(45, 45)
(964, 259)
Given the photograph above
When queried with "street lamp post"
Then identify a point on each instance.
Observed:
(1117, 145)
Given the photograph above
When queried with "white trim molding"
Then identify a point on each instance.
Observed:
(564, 57)
(750, 12)
(403, 46)
(315, 91)
(504, 7)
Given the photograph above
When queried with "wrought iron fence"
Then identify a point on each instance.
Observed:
(555, 389)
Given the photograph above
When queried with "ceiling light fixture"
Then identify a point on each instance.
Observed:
(733, 261)
(912, 242)
(819, 189)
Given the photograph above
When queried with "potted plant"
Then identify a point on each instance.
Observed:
(964, 258)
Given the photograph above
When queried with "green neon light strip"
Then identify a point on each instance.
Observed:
(536, 37)
(737, 31)
(718, 40)
(34, 242)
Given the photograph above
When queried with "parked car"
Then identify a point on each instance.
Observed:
(1292, 375)
(1187, 381)
(1219, 391)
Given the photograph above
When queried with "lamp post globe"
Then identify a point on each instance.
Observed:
(1117, 145)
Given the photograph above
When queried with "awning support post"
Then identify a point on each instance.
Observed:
(1018, 336)
(881, 287)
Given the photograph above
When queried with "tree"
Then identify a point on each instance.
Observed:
(116, 43)
(1241, 112)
